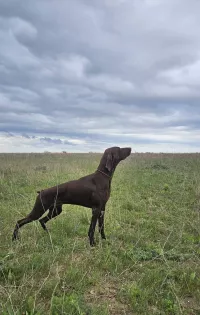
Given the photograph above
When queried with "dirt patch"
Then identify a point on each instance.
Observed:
(107, 295)
(192, 305)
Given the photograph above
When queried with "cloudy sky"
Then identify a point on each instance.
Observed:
(84, 75)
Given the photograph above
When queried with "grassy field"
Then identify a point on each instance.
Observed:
(150, 262)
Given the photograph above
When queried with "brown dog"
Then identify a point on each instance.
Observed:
(91, 191)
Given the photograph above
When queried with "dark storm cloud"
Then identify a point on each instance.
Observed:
(100, 70)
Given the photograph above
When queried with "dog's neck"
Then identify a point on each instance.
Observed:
(103, 170)
(107, 176)
(104, 173)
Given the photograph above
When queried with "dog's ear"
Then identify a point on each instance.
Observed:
(116, 157)
(109, 162)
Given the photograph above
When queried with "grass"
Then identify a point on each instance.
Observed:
(150, 263)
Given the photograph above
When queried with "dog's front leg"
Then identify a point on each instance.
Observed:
(95, 214)
(101, 223)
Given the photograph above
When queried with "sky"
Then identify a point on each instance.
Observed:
(84, 75)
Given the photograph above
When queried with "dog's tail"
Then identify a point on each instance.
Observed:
(39, 191)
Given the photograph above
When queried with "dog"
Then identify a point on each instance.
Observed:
(91, 191)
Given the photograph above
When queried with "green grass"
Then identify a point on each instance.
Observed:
(150, 263)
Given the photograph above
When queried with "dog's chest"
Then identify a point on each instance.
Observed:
(104, 194)
(108, 195)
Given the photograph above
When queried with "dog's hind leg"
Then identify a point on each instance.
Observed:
(38, 210)
(53, 212)
(19, 224)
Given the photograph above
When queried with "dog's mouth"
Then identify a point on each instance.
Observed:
(125, 152)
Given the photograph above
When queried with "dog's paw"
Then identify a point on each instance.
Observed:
(15, 237)
(92, 243)
(43, 226)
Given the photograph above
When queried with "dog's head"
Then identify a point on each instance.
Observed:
(114, 155)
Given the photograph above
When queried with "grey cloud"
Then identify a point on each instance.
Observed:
(18, 93)
(49, 140)
(93, 68)
(24, 135)
(9, 135)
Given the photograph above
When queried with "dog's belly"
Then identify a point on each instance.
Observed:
(76, 195)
